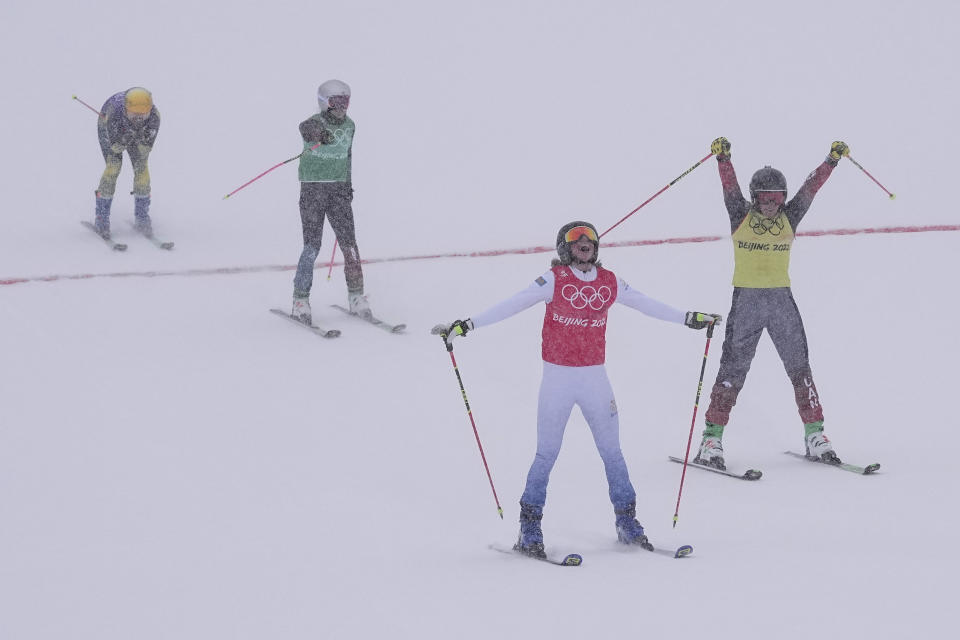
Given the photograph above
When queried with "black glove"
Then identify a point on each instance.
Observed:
(451, 331)
(697, 320)
(720, 148)
(314, 132)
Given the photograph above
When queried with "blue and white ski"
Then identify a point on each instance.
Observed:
(568, 560)
(680, 552)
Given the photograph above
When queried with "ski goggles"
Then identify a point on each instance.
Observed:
(771, 197)
(339, 102)
(577, 232)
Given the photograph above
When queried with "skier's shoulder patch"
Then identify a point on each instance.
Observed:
(541, 281)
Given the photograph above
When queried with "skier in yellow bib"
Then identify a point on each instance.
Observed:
(763, 232)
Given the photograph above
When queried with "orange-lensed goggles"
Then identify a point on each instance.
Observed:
(577, 232)
(771, 197)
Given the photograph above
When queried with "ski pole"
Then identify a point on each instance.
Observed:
(696, 404)
(334, 253)
(857, 164)
(656, 194)
(476, 435)
(279, 164)
(96, 111)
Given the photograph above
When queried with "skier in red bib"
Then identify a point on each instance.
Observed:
(578, 293)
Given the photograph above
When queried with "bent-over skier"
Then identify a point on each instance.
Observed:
(129, 121)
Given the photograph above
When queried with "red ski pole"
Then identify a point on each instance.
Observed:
(696, 404)
(857, 164)
(656, 194)
(332, 254)
(96, 111)
(463, 392)
(279, 164)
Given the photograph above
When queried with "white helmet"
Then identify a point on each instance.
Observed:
(329, 89)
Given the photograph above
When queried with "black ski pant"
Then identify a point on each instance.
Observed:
(333, 201)
(752, 311)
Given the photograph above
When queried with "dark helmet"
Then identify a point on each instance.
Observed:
(563, 242)
(767, 179)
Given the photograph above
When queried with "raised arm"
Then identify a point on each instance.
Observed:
(737, 205)
(800, 203)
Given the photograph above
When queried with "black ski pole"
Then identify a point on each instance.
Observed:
(696, 404)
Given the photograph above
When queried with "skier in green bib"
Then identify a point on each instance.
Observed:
(763, 232)
(326, 192)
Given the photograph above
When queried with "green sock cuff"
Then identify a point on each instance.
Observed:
(713, 430)
(812, 427)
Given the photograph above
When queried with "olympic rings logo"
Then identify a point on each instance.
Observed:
(340, 138)
(586, 296)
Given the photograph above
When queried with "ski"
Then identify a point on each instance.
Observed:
(749, 474)
(320, 331)
(568, 560)
(157, 242)
(113, 244)
(864, 471)
(377, 322)
(680, 552)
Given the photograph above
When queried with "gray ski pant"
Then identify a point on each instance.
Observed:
(752, 311)
(333, 201)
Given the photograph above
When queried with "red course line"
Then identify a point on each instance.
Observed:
(469, 254)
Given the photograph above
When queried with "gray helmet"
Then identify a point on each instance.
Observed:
(563, 246)
(767, 179)
(329, 89)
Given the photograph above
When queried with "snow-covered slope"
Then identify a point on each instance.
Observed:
(175, 462)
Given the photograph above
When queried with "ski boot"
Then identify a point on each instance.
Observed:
(629, 531)
(711, 448)
(530, 540)
(141, 215)
(101, 221)
(359, 305)
(711, 453)
(301, 308)
(818, 445)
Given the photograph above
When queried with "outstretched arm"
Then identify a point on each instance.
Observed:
(540, 290)
(647, 305)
